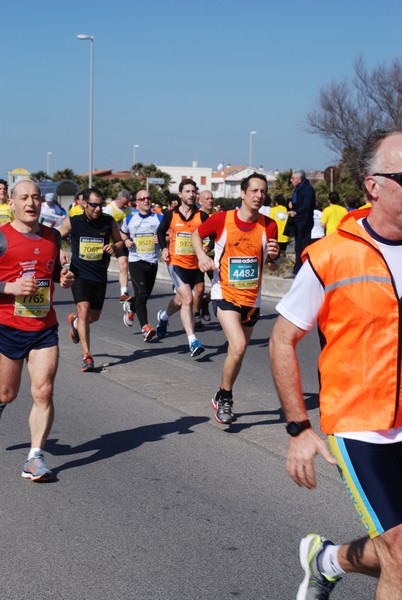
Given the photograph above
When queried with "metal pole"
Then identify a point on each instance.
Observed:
(134, 147)
(48, 163)
(84, 36)
(91, 112)
(251, 148)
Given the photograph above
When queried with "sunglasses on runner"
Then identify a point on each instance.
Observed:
(394, 176)
(95, 204)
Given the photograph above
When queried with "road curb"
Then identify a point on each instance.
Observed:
(272, 287)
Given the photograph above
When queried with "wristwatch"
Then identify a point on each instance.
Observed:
(294, 428)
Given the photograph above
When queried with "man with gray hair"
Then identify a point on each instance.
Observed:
(352, 280)
(302, 209)
(119, 209)
(29, 266)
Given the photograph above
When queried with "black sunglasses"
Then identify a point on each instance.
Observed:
(394, 176)
(95, 204)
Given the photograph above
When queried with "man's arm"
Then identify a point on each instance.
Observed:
(286, 372)
(116, 238)
(163, 229)
(205, 262)
(65, 228)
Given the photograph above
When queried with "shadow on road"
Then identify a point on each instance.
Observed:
(117, 442)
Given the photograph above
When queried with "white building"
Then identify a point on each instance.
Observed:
(226, 182)
(200, 175)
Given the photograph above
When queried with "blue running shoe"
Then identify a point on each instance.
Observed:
(196, 348)
(36, 470)
(161, 328)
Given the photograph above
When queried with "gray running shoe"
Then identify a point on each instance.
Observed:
(315, 585)
(215, 405)
(161, 328)
(87, 363)
(129, 314)
(36, 470)
(74, 337)
(223, 410)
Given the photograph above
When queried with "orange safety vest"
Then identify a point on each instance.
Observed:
(181, 251)
(360, 332)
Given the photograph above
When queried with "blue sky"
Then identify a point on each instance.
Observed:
(185, 80)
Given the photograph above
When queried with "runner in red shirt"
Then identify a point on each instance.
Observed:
(29, 265)
(245, 240)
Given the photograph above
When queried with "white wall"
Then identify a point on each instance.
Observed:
(194, 172)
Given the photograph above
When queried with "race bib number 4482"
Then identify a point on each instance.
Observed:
(243, 272)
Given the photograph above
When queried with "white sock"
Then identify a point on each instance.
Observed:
(123, 290)
(33, 452)
(164, 316)
(191, 338)
(329, 564)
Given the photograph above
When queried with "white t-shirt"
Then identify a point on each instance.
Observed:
(302, 304)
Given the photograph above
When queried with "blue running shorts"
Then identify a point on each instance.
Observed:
(372, 474)
(17, 344)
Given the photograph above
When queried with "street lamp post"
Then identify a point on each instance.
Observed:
(48, 155)
(134, 148)
(84, 36)
(250, 162)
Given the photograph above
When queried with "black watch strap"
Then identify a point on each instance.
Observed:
(294, 428)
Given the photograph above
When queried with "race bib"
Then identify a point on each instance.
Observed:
(37, 305)
(184, 245)
(243, 272)
(91, 248)
(144, 242)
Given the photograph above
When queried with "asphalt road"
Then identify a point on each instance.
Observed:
(152, 498)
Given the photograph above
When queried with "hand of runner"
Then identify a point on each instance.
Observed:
(108, 248)
(205, 263)
(24, 286)
(302, 450)
(273, 248)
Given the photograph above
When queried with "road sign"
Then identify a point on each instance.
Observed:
(156, 180)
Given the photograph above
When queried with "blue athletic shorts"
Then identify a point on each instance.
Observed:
(372, 474)
(17, 344)
(249, 314)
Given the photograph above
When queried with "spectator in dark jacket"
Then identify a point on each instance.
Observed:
(302, 209)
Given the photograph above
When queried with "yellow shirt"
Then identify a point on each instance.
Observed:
(331, 216)
(280, 215)
(75, 210)
(6, 214)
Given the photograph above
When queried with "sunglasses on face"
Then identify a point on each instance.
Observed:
(394, 176)
(95, 204)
